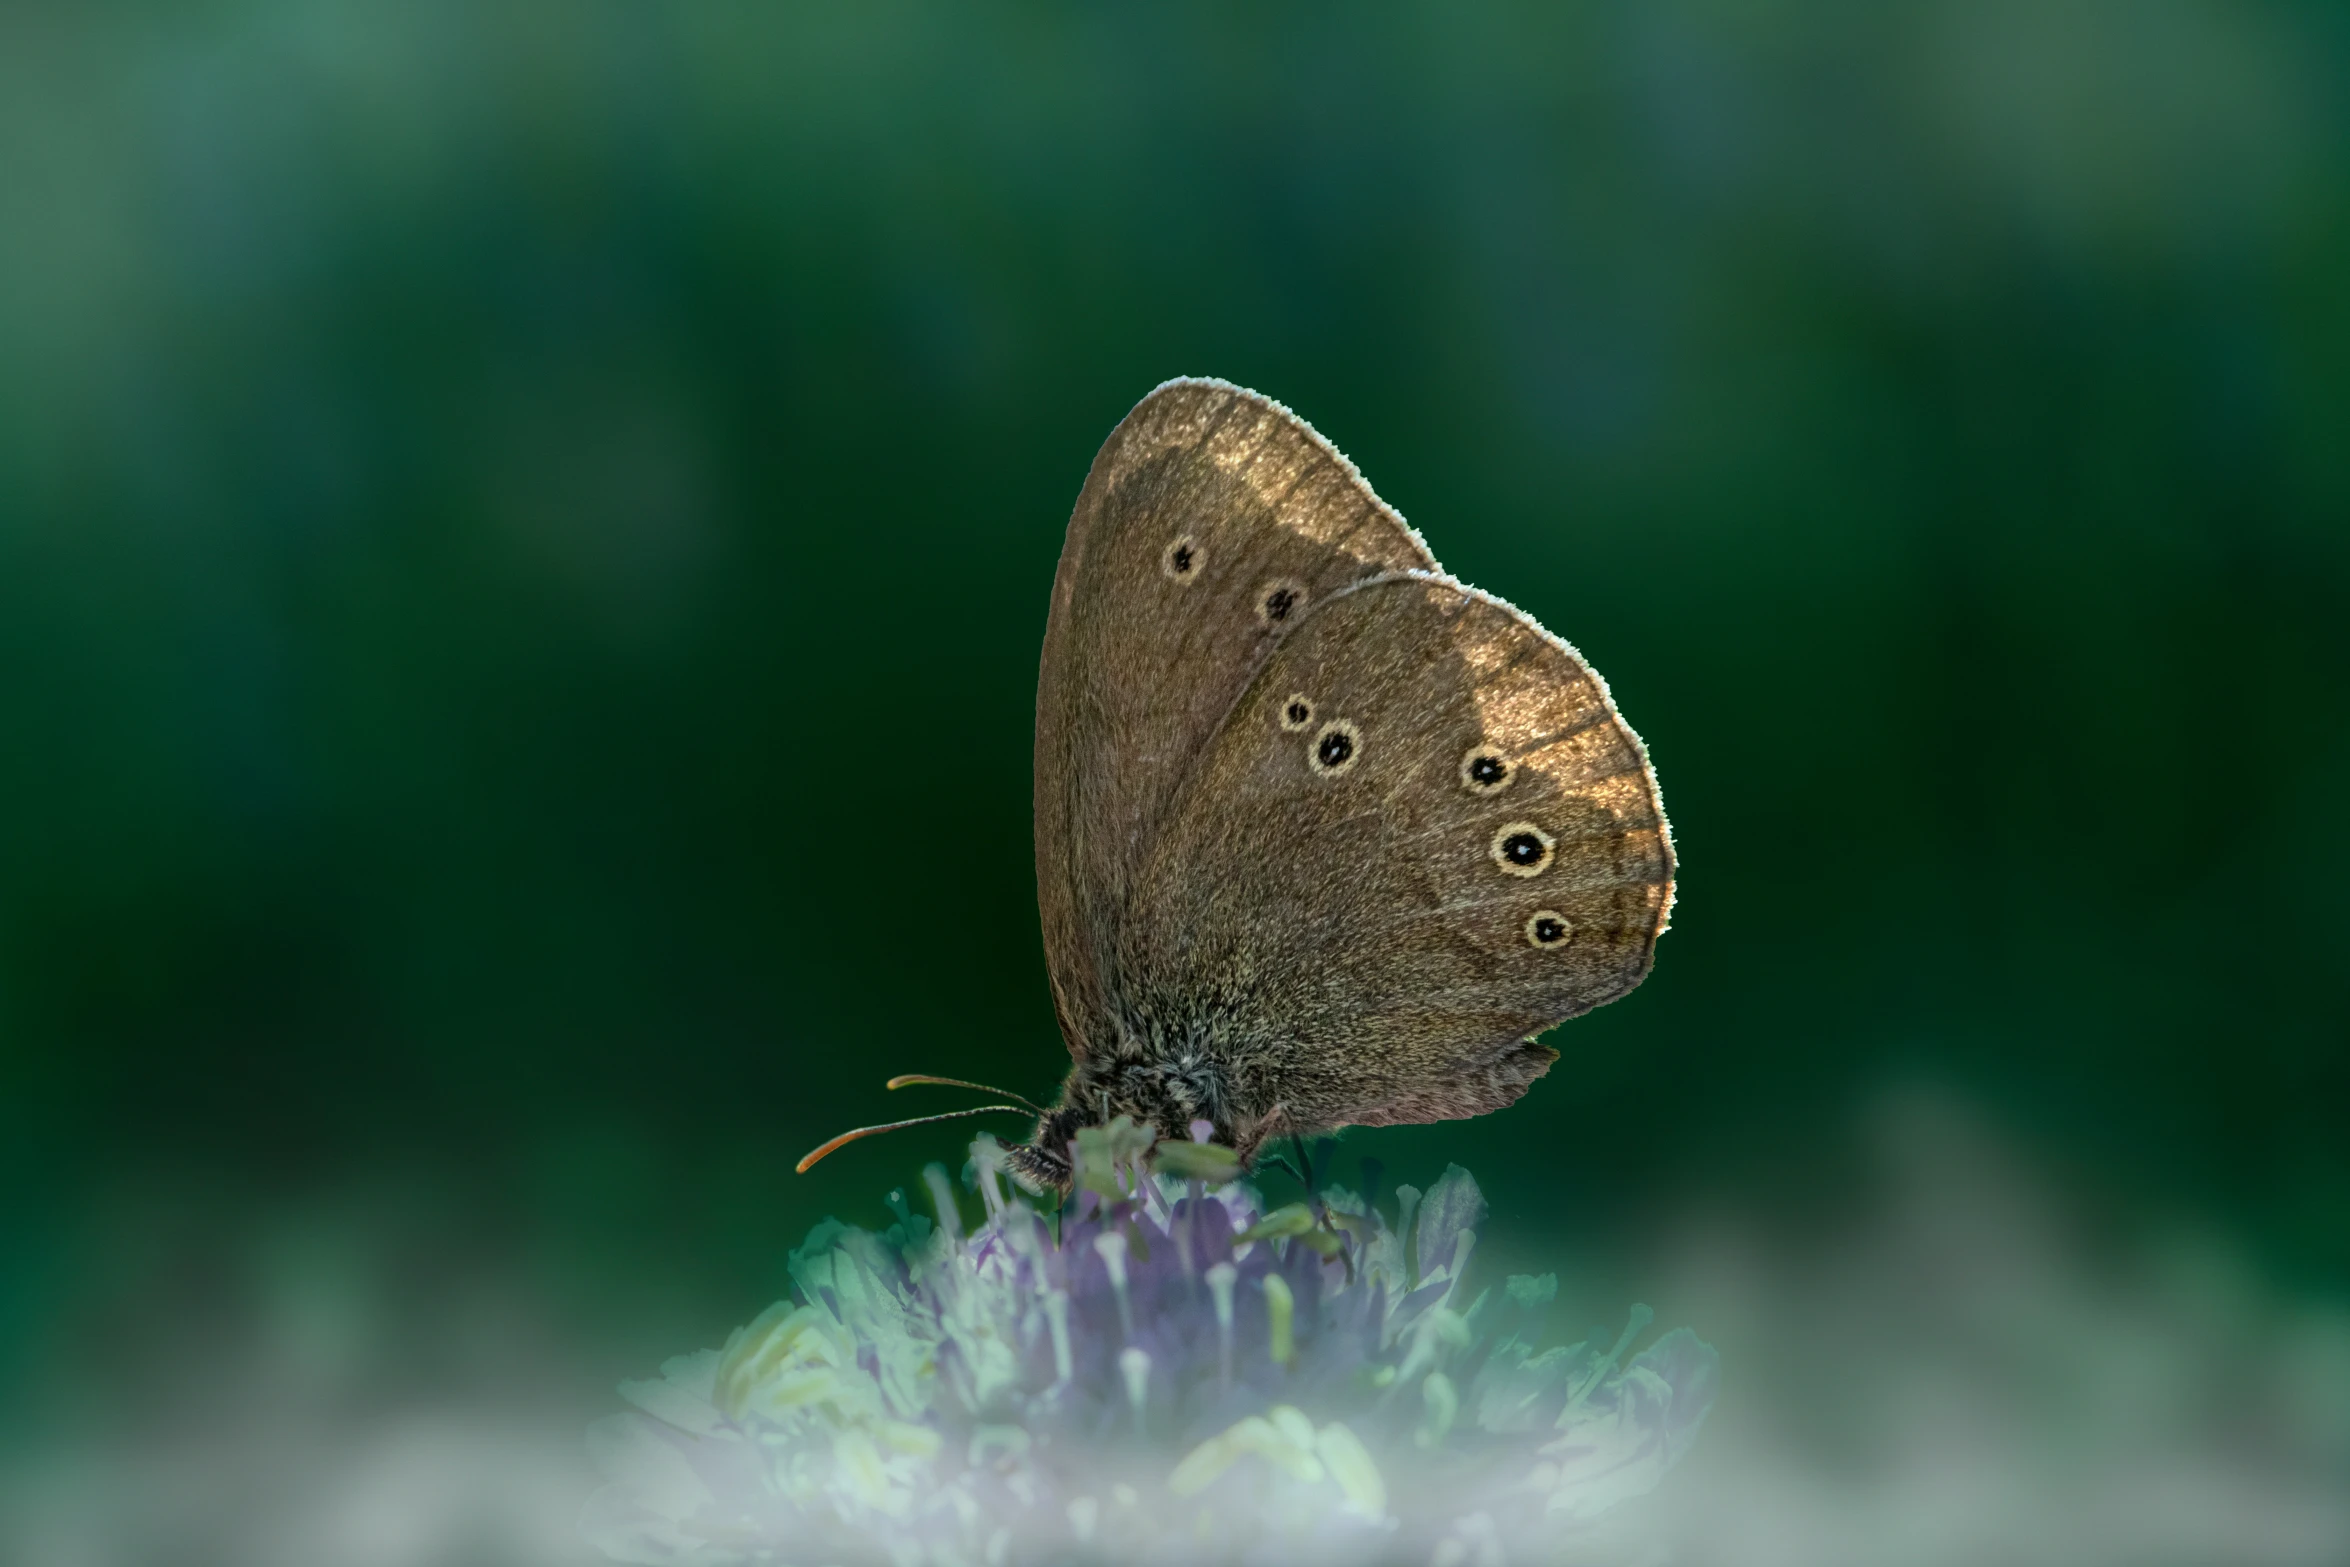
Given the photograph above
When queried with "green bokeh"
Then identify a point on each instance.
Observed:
(525, 535)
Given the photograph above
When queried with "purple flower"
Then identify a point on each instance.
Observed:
(1177, 1377)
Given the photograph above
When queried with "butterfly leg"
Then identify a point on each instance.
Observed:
(1249, 1141)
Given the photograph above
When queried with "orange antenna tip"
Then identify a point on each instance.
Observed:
(907, 1079)
(846, 1138)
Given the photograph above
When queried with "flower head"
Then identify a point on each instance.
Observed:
(1175, 1376)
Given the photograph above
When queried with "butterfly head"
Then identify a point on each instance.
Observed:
(1042, 1164)
(1166, 1094)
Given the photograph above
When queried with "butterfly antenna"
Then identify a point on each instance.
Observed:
(846, 1138)
(907, 1079)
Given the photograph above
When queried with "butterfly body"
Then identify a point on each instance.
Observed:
(1324, 837)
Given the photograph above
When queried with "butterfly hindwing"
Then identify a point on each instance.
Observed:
(1420, 836)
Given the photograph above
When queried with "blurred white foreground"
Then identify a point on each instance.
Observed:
(1951, 1371)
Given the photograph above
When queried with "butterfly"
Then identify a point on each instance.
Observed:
(1324, 837)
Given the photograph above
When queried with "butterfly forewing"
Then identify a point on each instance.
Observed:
(1213, 521)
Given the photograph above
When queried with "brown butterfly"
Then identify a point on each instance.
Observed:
(1323, 836)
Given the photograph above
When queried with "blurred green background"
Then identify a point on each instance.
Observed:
(510, 518)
